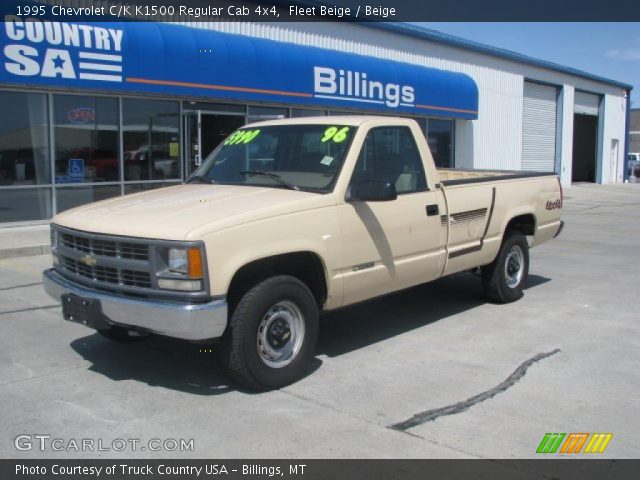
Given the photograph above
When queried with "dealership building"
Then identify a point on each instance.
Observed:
(96, 110)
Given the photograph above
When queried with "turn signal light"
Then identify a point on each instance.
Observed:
(194, 258)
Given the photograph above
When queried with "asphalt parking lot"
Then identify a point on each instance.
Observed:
(388, 374)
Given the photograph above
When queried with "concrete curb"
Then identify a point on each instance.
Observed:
(29, 251)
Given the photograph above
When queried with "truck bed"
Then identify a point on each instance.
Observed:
(454, 176)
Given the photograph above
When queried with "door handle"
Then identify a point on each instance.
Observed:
(432, 210)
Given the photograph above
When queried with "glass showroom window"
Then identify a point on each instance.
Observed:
(71, 197)
(151, 130)
(307, 112)
(24, 157)
(440, 138)
(86, 139)
(258, 114)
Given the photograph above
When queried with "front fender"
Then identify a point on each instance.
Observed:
(315, 231)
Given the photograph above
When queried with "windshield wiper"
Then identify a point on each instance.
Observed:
(272, 176)
(200, 178)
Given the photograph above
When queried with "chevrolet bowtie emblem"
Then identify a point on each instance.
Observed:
(89, 260)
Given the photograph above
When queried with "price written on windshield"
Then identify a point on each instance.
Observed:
(336, 134)
(242, 136)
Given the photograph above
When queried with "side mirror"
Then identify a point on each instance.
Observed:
(372, 191)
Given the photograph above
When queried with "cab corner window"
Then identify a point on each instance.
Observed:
(389, 154)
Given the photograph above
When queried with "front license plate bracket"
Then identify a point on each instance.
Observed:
(87, 311)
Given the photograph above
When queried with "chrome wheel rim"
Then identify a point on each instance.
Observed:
(280, 334)
(514, 266)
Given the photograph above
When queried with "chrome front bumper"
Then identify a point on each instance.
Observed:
(173, 319)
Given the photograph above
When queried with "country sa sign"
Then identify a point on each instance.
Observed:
(62, 50)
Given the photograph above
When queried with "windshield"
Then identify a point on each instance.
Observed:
(298, 157)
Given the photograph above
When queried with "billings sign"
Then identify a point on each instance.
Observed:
(356, 87)
(194, 62)
(58, 50)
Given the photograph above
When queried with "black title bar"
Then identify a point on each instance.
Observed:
(332, 10)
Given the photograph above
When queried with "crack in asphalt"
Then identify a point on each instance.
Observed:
(510, 381)
(30, 309)
(47, 374)
(13, 287)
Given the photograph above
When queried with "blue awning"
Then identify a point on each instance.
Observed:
(180, 61)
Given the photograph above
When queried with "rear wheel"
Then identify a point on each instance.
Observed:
(503, 280)
(272, 334)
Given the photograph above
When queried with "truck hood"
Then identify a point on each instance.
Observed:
(173, 213)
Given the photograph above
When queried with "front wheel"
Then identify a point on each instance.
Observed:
(272, 334)
(503, 280)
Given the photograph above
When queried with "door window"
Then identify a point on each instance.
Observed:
(390, 154)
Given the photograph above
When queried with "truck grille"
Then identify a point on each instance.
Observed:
(104, 261)
(106, 248)
(131, 278)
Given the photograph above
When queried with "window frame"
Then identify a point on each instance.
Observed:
(54, 138)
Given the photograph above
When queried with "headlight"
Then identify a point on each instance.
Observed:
(184, 270)
(186, 261)
(178, 262)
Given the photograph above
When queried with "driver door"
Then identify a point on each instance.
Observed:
(391, 245)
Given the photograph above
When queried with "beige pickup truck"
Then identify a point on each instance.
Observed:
(287, 219)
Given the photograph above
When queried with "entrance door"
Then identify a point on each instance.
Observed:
(585, 148)
(203, 132)
(585, 137)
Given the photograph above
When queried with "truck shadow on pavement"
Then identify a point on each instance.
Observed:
(193, 368)
(370, 322)
(157, 361)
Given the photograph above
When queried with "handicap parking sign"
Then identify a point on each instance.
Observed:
(76, 170)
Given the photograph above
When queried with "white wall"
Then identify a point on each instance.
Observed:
(566, 150)
(615, 109)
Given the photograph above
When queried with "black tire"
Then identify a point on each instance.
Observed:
(258, 312)
(497, 286)
(121, 335)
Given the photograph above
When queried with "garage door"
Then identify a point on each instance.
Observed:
(586, 103)
(539, 127)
